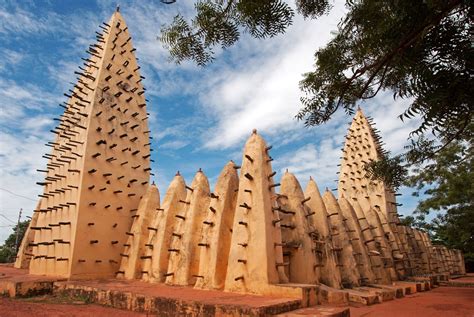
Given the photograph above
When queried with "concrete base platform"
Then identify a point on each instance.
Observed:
(408, 287)
(394, 290)
(433, 279)
(461, 281)
(173, 300)
(168, 300)
(18, 283)
(363, 296)
(332, 296)
(383, 294)
(423, 283)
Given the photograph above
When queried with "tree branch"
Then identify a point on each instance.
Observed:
(407, 41)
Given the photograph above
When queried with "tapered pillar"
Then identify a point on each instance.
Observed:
(256, 257)
(405, 240)
(217, 230)
(461, 268)
(358, 242)
(298, 245)
(443, 265)
(424, 253)
(183, 266)
(376, 250)
(318, 219)
(342, 246)
(134, 252)
(161, 232)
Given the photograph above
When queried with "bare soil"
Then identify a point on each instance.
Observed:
(46, 306)
(439, 302)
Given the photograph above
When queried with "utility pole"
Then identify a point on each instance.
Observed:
(18, 231)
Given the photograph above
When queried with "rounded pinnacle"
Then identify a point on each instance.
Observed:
(254, 131)
(200, 170)
(117, 9)
(177, 173)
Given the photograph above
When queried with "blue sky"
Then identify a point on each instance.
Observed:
(200, 117)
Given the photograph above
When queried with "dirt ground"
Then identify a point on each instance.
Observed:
(439, 302)
(47, 306)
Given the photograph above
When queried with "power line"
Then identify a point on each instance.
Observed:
(6, 190)
(7, 219)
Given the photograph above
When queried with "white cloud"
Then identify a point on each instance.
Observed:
(10, 58)
(319, 161)
(19, 21)
(262, 91)
(19, 159)
(25, 96)
(173, 145)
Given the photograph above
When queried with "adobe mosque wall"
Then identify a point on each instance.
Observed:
(99, 217)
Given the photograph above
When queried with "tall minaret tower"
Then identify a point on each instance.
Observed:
(362, 146)
(99, 165)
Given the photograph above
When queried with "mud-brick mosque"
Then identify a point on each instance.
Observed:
(100, 217)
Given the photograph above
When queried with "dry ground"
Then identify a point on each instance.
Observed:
(439, 302)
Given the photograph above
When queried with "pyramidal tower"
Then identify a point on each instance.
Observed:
(362, 146)
(99, 165)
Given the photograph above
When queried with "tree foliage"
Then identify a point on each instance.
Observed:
(448, 183)
(417, 49)
(8, 250)
(221, 23)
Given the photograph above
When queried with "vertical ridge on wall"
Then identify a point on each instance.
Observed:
(318, 219)
(159, 239)
(343, 250)
(217, 232)
(376, 249)
(183, 266)
(358, 242)
(256, 257)
(134, 252)
(298, 246)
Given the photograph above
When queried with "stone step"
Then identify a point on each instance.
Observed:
(396, 290)
(409, 287)
(331, 296)
(362, 296)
